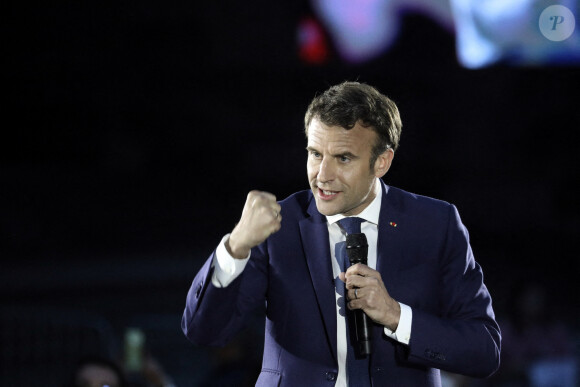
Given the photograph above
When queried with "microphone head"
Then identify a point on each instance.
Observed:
(357, 248)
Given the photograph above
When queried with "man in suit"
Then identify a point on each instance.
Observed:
(421, 287)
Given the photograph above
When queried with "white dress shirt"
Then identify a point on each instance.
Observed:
(227, 269)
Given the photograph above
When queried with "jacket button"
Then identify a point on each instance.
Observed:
(331, 376)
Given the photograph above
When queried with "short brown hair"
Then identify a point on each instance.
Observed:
(347, 103)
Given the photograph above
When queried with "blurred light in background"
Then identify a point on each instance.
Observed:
(494, 31)
(487, 31)
(312, 43)
(361, 29)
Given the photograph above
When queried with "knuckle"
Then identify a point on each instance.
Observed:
(270, 195)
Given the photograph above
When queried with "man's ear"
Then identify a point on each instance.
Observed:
(383, 162)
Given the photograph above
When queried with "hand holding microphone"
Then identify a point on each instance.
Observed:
(366, 291)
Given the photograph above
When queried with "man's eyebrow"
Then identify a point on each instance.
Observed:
(347, 154)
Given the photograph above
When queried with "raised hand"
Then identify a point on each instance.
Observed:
(260, 219)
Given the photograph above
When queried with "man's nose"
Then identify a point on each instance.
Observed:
(327, 171)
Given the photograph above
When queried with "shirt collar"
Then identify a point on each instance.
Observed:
(369, 214)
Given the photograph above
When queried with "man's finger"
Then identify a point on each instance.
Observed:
(358, 281)
(362, 270)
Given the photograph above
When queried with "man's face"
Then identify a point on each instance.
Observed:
(338, 167)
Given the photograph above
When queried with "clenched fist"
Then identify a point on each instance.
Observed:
(260, 219)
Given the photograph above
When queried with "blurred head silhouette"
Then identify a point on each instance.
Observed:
(96, 371)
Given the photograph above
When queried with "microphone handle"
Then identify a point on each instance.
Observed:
(363, 323)
(363, 328)
(357, 250)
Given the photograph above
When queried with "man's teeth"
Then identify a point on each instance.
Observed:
(328, 192)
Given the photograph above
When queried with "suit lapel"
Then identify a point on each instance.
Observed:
(314, 233)
(390, 238)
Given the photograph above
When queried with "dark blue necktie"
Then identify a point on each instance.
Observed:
(357, 367)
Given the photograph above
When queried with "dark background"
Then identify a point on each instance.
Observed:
(132, 132)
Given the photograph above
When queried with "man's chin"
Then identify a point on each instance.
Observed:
(326, 208)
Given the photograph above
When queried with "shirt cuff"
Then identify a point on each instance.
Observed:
(403, 332)
(226, 267)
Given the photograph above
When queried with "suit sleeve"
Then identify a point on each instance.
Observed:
(213, 315)
(463, 337)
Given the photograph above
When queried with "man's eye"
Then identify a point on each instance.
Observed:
(344, 159)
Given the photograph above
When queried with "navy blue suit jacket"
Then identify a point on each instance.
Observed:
(425, 261)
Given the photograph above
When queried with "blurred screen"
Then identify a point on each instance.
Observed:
(514, 32)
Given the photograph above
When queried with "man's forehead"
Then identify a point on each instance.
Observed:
(335, 137)
(317, 123)
(320, 133)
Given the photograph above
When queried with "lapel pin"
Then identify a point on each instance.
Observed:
(393, 224)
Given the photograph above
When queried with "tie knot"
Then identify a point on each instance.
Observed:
(351, 224)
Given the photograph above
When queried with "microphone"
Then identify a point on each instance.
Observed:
(357, 249)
